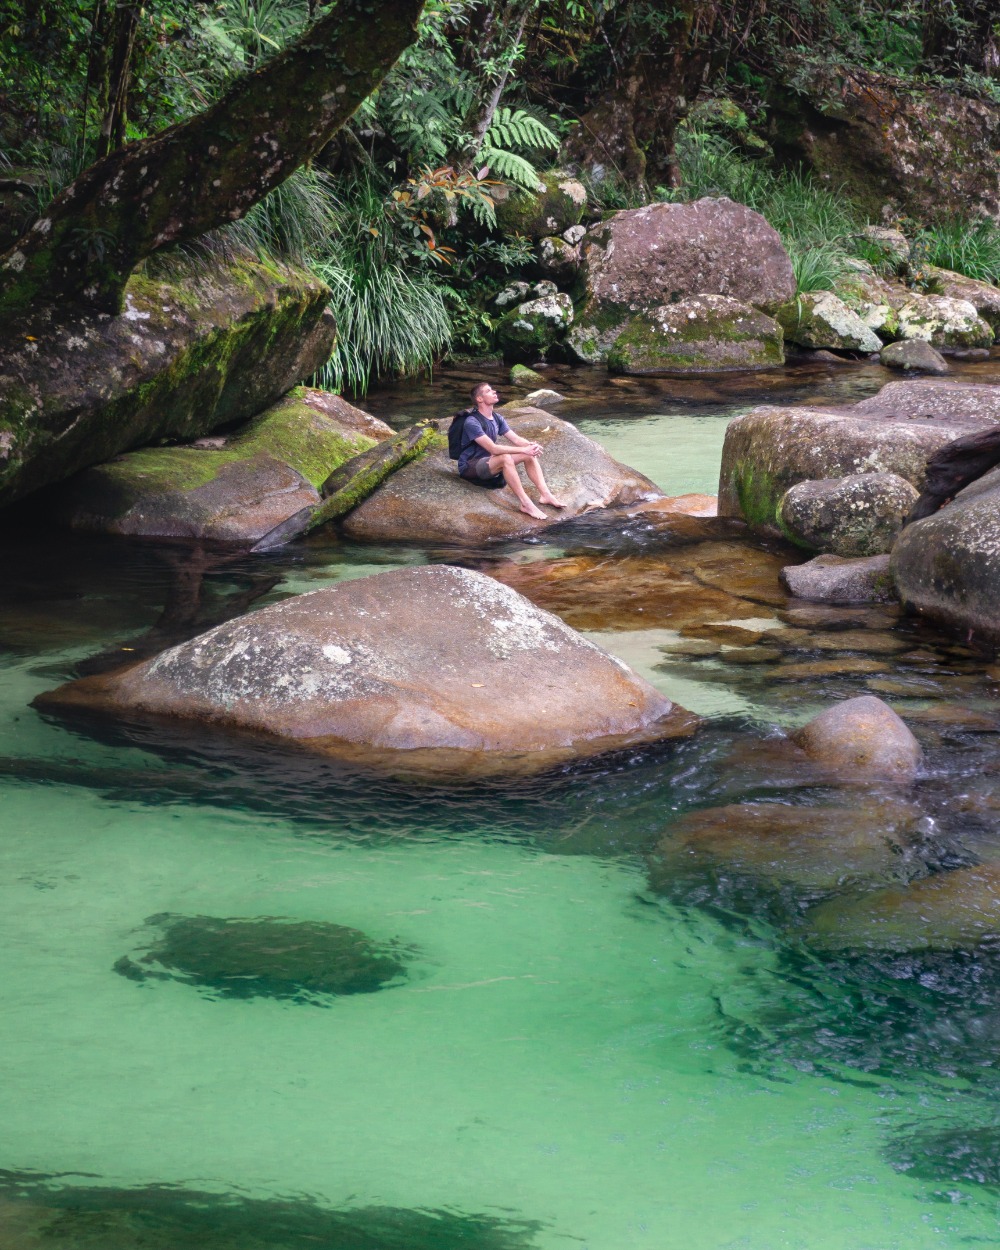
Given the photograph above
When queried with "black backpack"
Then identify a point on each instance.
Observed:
(456, 430)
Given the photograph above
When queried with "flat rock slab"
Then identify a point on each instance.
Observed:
(432, 671)
(427, 501)
(836, 579)
(928, 399)
(230, 490)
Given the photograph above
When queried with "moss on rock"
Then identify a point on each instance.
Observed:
(558, 203)
(703, 334)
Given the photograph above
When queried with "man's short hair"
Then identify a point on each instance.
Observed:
(478, 389)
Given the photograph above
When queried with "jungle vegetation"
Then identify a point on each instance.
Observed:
(393, 203)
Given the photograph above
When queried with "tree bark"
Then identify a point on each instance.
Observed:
(115, 81)
(209, 170)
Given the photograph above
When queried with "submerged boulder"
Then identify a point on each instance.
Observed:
(701, 334)
(819, 848)
(818, 319)
(947, 566)
(644, 258)
(947, 911)
(263, 957)
(863, 739)
(202, 348)
(427, 500)
(233, 489)
(856, 515)
(424, 671)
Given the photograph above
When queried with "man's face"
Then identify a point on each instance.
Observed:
(488, 395)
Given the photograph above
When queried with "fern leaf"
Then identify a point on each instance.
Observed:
(510, 167)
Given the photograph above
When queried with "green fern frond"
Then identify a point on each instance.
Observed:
(515, 128)
(510, 167)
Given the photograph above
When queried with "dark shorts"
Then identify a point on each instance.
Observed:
(478, 471)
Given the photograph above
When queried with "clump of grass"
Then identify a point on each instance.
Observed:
(968, 247)
(817, 266)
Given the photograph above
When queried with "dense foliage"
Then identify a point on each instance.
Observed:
(398, 212)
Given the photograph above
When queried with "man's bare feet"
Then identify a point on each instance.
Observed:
(532, 511)
(551, 501)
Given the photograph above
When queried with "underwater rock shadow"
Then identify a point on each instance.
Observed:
(265, 957)
(167, 1217)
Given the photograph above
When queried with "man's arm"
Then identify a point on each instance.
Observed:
(500, 449)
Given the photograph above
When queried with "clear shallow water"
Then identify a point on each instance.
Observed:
(617, 1067)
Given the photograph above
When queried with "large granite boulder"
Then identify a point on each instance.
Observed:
(928, 152)
(431, 670)
(944, 322)
(701, 334)
(947, 566)
(644, 258)
(819, 319)
(203, 348)
(857, 515)
(428, 502)
(232, 489)
(863, 740)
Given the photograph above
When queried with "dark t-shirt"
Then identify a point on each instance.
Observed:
(475, 427)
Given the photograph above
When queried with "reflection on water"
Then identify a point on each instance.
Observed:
(599, 1011)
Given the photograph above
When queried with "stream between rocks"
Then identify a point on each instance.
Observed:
(595, 1009)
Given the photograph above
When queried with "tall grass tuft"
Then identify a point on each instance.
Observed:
(969, 247)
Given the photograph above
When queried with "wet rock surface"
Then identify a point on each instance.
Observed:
(428, 501)
(862, 738)
(857, 515)
(836, 579)
(264, 957)
(914, 356)
(403, 670)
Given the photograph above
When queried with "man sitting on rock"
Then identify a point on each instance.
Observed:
(483, 460)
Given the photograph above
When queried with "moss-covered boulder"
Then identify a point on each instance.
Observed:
(856, 515)
(769, 450)
(426, 501)
(231, 489)
(204, 347)
(947, 567)
(819, 319)
(983, 296)
(262, 957)
(558, 259)
(872, 298)
(402, 671)
(530, 329)
(701, 334)
(944, 322)
(559, 202)
(644, 258)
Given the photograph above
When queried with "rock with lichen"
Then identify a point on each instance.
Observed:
(819, 319)
(399, 671)
(558, 202)
(530, 329)
(944, 322)
(700, 334)
(857, 515)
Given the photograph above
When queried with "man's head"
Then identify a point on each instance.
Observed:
(483, 395)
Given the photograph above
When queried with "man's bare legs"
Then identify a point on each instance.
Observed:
(507, 465)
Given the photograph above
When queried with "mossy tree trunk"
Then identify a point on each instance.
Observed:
(211, 169)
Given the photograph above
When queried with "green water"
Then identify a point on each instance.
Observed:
(618, 1069)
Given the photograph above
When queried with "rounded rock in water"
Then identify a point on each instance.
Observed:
(265, 957)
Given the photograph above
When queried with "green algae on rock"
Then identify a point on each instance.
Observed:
(558, 203)
(206, 347)
(700, 334)
(262, 474)
(263, 957)
(818, 319)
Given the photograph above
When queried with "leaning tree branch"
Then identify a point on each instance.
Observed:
(208, 170)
